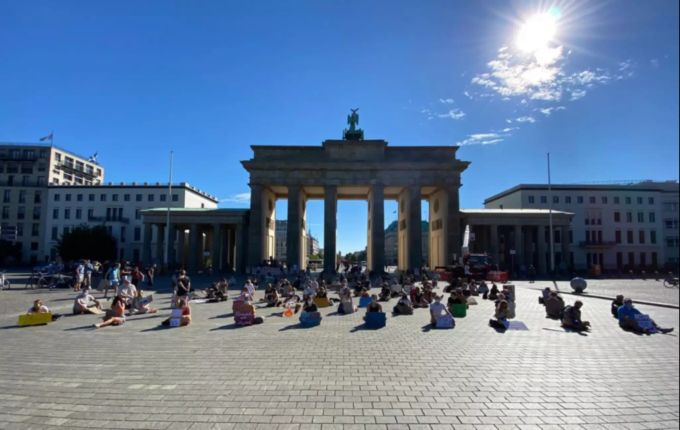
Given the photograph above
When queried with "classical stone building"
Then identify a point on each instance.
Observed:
(392, 240)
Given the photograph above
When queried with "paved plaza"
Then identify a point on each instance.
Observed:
(212, 375)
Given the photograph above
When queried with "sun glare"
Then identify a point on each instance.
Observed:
(537, 32)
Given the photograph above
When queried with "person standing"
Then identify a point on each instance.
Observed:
(112, 279)
(150, 273)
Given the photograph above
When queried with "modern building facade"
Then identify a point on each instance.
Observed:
(26, 171)
(392, 242)
(617, 227)
(118, 207)
(311, 244)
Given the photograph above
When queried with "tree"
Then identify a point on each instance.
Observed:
(84, 241)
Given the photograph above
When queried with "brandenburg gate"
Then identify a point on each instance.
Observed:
(356, 169)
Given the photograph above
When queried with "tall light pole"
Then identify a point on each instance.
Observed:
(167, 216)
(550, 222)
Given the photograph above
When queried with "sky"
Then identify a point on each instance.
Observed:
(595, 83)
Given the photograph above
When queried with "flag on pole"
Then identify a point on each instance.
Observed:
(48, 137)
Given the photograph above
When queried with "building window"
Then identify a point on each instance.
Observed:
(35, 229)
(556, 199)
(21, 212)
(604, 200)
(37, 197)
(79, 197)
(579, 199)
(641, 217)
(544, 199)
(7, 196)
(591, 200)
(55, 233)
(67, 213)
(34, 246)
(639, 200)
(630, 237)
(57, 197)
(175, 197)
(138, 197)
(643, 259)
(650, 200)
(67, 197)
(55, 213)
(617, 216)
(617, 200)
(629, 216)
(138, 214)
(126, 197)
(618, 236)
(567, 199)
(90, 213)
(66, 230)
(79, 213)
(150, 197)
(628, 200)
(531, 199)
(652, 217)
(162, 197)
(5, 212)
(631, 259)
(652, 237)
(671, 224)
(122, 234)
(114, 197)
(20, 229)
(138, 233)
(22, 196)
(102, 197)
(642, 237)
(36, 212)
(90, 197)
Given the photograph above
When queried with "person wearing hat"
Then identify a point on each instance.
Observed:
(438, 310)
(629, 319)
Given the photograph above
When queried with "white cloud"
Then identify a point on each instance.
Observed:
(453, 114)
(489, 138)
(543, 76)
(549, 110)
(467, 94)
(237, 198)
(446, 101)
(527, 118)
(654, 62)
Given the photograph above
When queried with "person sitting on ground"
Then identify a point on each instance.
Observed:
(483, 289)
(438, 310)
(128, 292)
(374, 306)
(141, 304)
(321, 291)
(545, 294)
(457, 298)
(250, 286)
(346, 305)
(428, 294)
(403, 306)
(509, 294)
(85, 303)
(572, 318)
(271, 297)
(40, 308)
(385, 292)
(554, 306)
(629, 319)
(616, 304)
(217, 292)
(501, 316)
(180, 315)
(115, 315)
(418, 298)
(493, 293)
(244, 296)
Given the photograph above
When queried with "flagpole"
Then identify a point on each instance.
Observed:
(167, 217)
(550, 221)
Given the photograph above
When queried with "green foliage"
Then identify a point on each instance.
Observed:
(10, 252)
(94, 243)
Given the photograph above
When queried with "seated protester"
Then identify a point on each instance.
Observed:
(115, 315)
(374, 306)
(509, 295)
(321, 292)
(418, 298)
(244, 296)
(250, 287)
(385, 292)
(183, 284)
(142, 305)
(180, 315)
(616, 304)
(501, 316)
(483, 290)
(217, 292)
(493, 293)
(39, 308)
(127, 291)
(403, 306)
(271, 297)
(438, 310)
(457, 298)
(309, 290)
(309, 306)
(474, 291)
(554, 306)
(572, 318)
(428, 295)
(85, 303)
(310, 315)
(628, 320)
(545, 294)
(346, 305)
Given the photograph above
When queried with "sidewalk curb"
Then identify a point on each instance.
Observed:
(592, 296)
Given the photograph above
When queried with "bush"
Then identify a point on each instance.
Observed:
(94, 243)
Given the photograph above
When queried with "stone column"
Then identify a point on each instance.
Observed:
(160, 237)
(195, 248)
(376, 230)
(519, 245)
(256, 234)
(564, 233)
(414, 238)
(239, 257)
(493, 243)
(294, 227)
(541, 250)
(330, 227)
(454, 237)
(170, 246)
(215, 254)
(146, 244)
(181, 248)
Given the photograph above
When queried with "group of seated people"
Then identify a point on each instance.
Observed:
(630, 318)
(555, 308)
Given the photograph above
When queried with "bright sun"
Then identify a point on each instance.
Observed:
(537, 32)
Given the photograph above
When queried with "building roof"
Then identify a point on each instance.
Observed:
(484, 211)
(45, 145)
(135, 185)
(642, 186)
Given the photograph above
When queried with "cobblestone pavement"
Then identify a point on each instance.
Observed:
(649, 290)
(276, 376)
